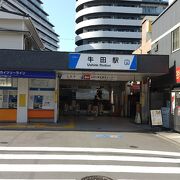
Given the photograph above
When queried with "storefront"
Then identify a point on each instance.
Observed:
(175, 100)
(26, 96)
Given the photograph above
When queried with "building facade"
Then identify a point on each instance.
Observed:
(18, 32)
(46, 85)
(166, 34)
(146, 40)
(166, 40)
(112, 26)
(34, 9)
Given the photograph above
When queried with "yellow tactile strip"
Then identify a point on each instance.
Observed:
(68, 125)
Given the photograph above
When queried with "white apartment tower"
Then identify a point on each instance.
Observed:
(112, 26)
(39, 17)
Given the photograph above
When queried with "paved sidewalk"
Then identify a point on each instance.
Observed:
(171, 136)
(99, 124)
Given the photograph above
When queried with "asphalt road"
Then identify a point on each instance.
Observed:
(74, 155)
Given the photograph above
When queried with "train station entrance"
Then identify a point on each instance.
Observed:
(83, 85)
(98, 94)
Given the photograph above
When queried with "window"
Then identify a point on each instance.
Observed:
(8, 93)
(175, 39)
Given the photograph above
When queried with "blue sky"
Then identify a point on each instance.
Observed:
(62, 15)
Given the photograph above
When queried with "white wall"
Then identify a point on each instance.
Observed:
(11, 40)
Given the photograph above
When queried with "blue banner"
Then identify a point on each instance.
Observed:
(27, 74)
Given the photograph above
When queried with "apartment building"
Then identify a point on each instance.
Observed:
(112, 26)
(34, 9)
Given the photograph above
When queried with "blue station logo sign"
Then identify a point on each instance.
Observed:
(103, 62)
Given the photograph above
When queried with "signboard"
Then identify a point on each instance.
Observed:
(178, 75)
(87, 76)
(156, 118)
(5, 82)
(165, 116)
(89, 94)
(26, 74)
(22, 100)
(103, 62)
(173, 102)
(94, 76)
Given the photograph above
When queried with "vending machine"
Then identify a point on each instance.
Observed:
(177, 119)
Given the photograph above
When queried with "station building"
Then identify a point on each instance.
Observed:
(37, 85)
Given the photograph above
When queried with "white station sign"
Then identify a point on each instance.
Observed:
(103, 62)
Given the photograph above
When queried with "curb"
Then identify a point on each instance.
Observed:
(168, 139)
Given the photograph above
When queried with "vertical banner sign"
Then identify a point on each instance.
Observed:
(103, 62)
(173, 102)
(178, 75)
(22, 100)
(166, 117)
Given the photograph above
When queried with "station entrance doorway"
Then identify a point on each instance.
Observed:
(91, 98)
(96, 95)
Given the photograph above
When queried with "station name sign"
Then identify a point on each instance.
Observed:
(103, 62)
(26, 74)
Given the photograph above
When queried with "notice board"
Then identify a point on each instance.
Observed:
(156, 118)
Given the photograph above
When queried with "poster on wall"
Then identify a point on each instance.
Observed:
(41, 100)
(47, 102)
(1, 98)
(156, 118)
(177, 74)
(38, 100)
(22, 100)
(172, 102)
(165, 116)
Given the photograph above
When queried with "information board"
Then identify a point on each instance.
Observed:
(156, 118)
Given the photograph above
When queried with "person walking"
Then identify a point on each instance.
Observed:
(95, 105)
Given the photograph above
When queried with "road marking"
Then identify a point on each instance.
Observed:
(113, 136)
(96, 150)
(88, 158)
(87, 168)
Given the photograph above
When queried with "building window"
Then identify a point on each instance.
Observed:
(175, 39)
(8, 93)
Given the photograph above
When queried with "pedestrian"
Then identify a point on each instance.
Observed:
(95, 105)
